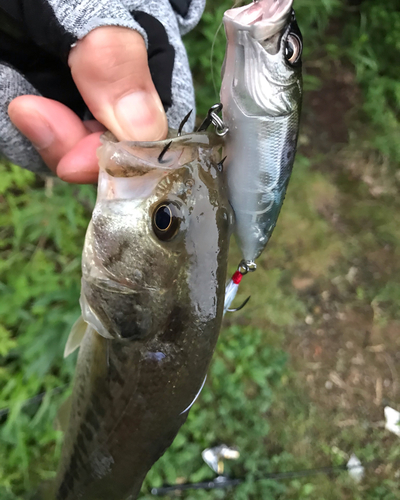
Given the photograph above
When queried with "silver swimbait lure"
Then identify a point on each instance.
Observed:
(261, 95)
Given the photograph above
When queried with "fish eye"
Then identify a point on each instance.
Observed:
(293, 49)
(166, 220)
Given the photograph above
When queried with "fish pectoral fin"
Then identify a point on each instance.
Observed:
(63, 414)
(75, 337)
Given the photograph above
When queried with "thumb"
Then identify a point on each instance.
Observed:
(110, 69)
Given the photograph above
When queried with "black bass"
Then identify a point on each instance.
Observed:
(154, 268)
(261, 95)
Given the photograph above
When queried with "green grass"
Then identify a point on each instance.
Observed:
(41, 242)
(333, 260)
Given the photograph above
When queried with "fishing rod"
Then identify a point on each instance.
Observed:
(221, 482)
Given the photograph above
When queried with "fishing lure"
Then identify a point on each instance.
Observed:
(261, 95)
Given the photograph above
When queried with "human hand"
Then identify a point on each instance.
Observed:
(44, 81)
(109, 67)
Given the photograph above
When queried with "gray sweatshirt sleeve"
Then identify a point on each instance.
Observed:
(187, 20)
(48, 28)
(79, 17)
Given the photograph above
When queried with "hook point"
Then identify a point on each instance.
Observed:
(240, 307)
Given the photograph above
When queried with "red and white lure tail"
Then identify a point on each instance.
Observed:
(231, 289)
(233, 285)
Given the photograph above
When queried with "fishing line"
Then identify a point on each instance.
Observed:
(212, 60)
(236, 4)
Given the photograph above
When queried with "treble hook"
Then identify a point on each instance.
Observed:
(240, 307)
(183, 122)
(220, 165)
(161, 155)
(245, 266)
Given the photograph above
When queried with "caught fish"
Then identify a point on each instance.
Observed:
(261, 95)
(153, 283)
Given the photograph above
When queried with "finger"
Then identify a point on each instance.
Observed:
(110, 69)
(52, 128)
(80, 165)
(14, 145)
(94, 126)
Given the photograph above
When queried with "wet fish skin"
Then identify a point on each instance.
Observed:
(261, 95)
(161, 304)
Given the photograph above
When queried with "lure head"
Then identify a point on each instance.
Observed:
(262, 18)
(263, 67)
(157, 242)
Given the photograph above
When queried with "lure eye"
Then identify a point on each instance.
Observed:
(166, 220)
(293, 49)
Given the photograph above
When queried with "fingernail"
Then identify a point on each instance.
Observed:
(142, 117)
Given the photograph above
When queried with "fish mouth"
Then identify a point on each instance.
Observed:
(131, 170)
(134, 159)
(263, 18)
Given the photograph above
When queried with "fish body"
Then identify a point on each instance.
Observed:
(261, 94)
(154, 268)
